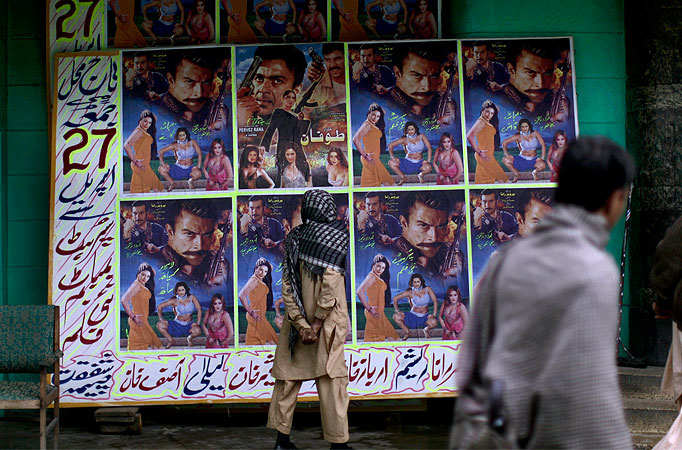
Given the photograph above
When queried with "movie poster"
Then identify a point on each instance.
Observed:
(519, 97)
(274, 21)
(177, 124)
(502, 215)
(410, 254)
(291, 116)
(175, 267)
(362, 20)
(160, 23)
(405, 113)
(263, 224)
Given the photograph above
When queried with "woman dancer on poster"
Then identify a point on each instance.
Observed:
(139, 147)
(484, 138)
(417, 318)
(556, 153)
(311, 23)
(217, 167)
(351, 30)
(200, 24)
(278, 25)
(453, 316)
(370, 140)
(185, 149)
(527, 140)
(239, 31)
(414, 144)
(136, 302)
(167, 24)
(184, 306)
(256, 298)
(251, 174)
(217, 324)
(446, 162)
(293, 170)
(337, 167)
(388, 24)
(423, 22)
(373, 293)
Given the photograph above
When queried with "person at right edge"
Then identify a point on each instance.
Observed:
(311, 343)
(666, 281)
(552, 327)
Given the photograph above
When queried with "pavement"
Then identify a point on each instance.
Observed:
(388, 424)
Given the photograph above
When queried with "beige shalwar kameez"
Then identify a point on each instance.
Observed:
(324, 297)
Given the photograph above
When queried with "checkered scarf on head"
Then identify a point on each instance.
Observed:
(321, 242)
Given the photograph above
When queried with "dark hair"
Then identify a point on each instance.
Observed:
(180, 130)
(544, 48)
(289, 91)
(385, 276)
(418, 276)
(205, 58)
(487, 192)
(293, 58)
(372, 47)
(267, 279)
(329, 47)
(437, 200)
(256, 198)
(181, 284)
(301, 161)
(152, 128)
(342, 158)
(422, 50)
(525, 196)
(522, 121)
(371, 194)
(410, 123)
(495, 121)
(558, 133)
(592, 169)
(199, 207)
(244, 157)
(480, 44)
(218, 296)
(213, 143)
(381, 124)
(448, 135)
(139, 53)
(138, 204)
(149, 285)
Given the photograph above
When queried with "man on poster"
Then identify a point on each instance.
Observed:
(331, 89)
(190, 76)
(531, 207)
(282, 68)
(369, 75)
(311, 344)
(417, 72)
(531, 74)
(256, 230)
(144, 83)
(491, 223)
(556, 292)
(143, 234)
(484, 73)
(422, 245)
(190, 225)
(375, 227)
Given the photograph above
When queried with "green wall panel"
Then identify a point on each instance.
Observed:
(26, 19)
(26, 62)
(599, 55)
(611, 130)
(27, 285)
(601, 100)
(27, 199)
(28, 243)
(27, 108)
(28, 152)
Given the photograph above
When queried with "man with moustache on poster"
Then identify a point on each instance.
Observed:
(491, 223)
(263, 233)
(144, 83)
(190, 225)
(282, 68)
(188, 101)
(417, 72)
(531, 74)
(383, 229)
(484, 73)
(531, 207)
(368, 75)
(331, 90)
(141, 233)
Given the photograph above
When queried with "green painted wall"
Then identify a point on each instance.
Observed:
(598, 30)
